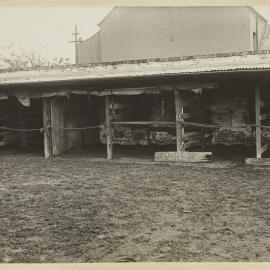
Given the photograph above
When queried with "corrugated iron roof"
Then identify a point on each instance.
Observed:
(248, 62)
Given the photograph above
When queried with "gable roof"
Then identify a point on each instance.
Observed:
(109, 14)
(88, 39)
(257, 14)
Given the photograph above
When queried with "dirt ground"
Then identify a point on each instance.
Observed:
(73, 208)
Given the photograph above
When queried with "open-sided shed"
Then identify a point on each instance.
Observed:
(187, 101)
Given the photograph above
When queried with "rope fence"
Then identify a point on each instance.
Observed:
(42, 129)
(185, 123)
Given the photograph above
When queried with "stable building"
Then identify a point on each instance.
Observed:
(180, 104)
(193, 101)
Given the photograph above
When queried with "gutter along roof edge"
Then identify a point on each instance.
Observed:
(72, 81)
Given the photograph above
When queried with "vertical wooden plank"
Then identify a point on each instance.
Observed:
(46, 127)
(179, 117)
(108, 126)
(22, 126)
(57, 123)
(258, 122)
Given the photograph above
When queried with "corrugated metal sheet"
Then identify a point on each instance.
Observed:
(132, 70)
(130, 33)
(89, 50)
(265, 45)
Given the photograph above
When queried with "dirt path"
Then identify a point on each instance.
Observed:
(71, 209)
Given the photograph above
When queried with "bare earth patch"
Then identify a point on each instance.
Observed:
(73, 209)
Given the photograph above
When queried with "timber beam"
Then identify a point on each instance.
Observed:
(258, 161)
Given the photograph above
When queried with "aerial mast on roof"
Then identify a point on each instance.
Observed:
(76, 40)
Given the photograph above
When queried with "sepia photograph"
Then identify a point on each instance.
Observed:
(134, 133)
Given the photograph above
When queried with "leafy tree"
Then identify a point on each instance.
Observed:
(15, 58)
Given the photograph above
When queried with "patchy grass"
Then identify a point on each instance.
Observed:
(74, 209)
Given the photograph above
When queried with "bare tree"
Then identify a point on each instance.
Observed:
(18, 58)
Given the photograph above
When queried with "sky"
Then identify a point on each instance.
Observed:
(49, 29)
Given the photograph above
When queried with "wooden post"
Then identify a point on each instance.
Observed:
(108, 126)
(46, 126)
(258, 122)
(179, 117)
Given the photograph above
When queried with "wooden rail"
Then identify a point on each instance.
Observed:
(143, 123)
